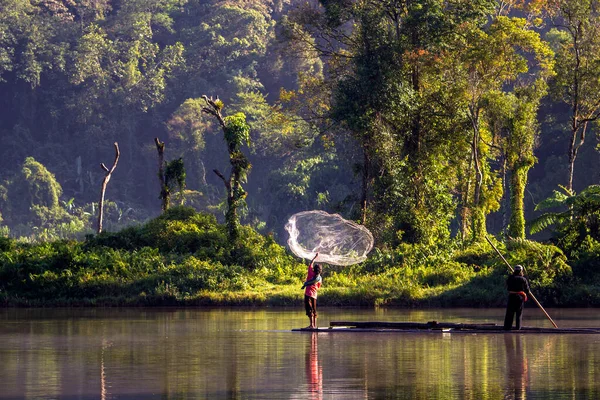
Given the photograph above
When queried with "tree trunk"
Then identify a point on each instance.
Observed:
(574, 146)
(365, 185)
(505, 189)
(572, 153)
(231, 217)
(479, 230)
(518, 181)
(164, 191)
(104, 184)
(239, 164)
(465, 212)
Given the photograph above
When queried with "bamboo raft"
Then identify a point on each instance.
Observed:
(439, 327)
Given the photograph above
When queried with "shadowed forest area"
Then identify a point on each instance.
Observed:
(153, 150)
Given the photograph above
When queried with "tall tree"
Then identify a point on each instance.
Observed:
(394, 102)
(496, 60)
(388, 96)
(512, 121)
(235, 132)
(576, 42)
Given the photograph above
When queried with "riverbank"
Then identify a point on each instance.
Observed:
(184, 259)
(169, 295)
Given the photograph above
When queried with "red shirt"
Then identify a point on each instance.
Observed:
(311, 290)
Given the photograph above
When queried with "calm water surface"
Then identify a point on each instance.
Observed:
(252, 354)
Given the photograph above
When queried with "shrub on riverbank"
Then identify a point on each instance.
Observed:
(184, 258)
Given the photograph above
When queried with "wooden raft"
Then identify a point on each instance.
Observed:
(447, 327)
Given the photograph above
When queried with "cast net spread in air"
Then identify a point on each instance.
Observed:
(338, 241)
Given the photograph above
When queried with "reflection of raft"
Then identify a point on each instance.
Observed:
(445, 327)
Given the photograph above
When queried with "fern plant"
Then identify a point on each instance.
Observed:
(580, 214)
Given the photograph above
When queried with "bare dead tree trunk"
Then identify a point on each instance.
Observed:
(104, 183)
(164, 191)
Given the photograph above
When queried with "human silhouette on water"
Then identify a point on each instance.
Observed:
(518, 290)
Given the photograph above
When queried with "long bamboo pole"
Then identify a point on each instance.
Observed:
(530, 294)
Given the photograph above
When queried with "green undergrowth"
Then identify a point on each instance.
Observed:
(183, 258)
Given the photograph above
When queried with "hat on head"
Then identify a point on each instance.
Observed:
(518, 268)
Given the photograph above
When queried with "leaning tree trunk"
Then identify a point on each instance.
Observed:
(104, 183)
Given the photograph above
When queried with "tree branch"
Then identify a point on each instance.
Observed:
(214, 109)
(225, 181)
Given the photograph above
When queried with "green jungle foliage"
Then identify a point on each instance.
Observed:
(424, 121)
(175, 259)
(185, 258)
(434, 123)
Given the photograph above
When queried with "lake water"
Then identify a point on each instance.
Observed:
(252, 354)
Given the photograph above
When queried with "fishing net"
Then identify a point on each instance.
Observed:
(338, 241)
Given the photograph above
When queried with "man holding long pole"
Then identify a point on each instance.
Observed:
(530, 294)
(518, 290)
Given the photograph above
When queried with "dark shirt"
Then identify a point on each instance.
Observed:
(517, 283)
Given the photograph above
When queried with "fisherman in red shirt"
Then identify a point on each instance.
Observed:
(312, 285)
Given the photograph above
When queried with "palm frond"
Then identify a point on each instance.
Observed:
(544, 221)
(591, 194)
(557, 199)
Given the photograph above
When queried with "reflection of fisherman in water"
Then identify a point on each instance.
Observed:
(517, 370)
(314, 373)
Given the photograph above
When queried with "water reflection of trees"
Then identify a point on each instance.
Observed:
(191, 354)
(424, 366)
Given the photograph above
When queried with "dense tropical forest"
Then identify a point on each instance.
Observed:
(153, 150)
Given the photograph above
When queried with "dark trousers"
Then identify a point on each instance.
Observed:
(513, 308)
(310, 305)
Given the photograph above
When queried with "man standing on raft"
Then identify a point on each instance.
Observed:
(518, 289)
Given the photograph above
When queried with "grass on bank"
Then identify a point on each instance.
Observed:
(183, 258)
